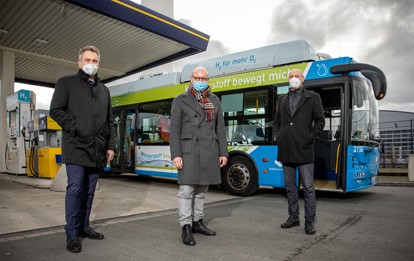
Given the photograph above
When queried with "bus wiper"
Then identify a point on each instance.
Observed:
(373, 146)
(369, 150)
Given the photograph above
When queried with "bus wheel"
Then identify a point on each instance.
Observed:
(239, 176)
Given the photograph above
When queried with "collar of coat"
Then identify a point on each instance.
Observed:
(191, 101)
(85, 76)
(303, 98)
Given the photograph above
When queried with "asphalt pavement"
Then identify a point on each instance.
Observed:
(374, 224)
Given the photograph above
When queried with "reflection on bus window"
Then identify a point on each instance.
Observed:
(154, 123)
(245, 117)
(365, 125)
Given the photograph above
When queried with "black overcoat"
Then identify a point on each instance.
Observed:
(199, 142)
(84, 112)
(295, 134)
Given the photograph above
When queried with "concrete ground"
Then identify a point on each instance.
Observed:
(26, 203)
(139, 219)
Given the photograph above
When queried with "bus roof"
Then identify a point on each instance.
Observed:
(146, 83)
(264, 57)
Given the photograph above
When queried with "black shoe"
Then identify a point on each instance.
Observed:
(199, 227)
(187, 236)
(73, 244)
(291, 222)
(310, 227)
(90, 233)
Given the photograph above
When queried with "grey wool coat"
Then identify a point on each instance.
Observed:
(199, 142)
(295, 134)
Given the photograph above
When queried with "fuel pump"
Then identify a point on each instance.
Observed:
(19, 110)
(45, 154)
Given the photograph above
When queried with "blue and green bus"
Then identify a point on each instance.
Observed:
(249, 84)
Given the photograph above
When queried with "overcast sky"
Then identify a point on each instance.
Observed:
(378, 32)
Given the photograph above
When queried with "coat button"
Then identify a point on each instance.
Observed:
(291, 123)
(195, 115)
(197, 139)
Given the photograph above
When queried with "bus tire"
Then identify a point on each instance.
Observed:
(239, 176)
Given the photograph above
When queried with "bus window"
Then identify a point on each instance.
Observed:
(331, 102)
(245, 116)
(255, 102)
(154, 123)
(365, 125)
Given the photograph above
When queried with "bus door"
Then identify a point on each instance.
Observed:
(330, 148)
(124, 119)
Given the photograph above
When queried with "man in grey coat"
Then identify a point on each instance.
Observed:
(198, 150)
(299, 121)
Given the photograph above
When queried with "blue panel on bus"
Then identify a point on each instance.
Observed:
(362, 167)
(269, 169)
(321, 69)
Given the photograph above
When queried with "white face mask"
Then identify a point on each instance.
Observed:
(90, 69)
(294, 82)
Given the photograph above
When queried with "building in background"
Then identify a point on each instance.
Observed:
(396, 133)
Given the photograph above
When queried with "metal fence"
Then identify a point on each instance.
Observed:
(396, 143)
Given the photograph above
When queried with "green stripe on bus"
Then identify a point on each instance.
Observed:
(263, 77)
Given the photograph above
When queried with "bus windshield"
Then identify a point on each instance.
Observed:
(365, 125)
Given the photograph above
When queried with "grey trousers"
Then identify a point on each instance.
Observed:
(306, 174)
(191, 203)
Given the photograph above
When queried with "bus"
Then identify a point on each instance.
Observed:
(249, 84)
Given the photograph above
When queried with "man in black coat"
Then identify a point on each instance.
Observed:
(81, 105)
(298, 122)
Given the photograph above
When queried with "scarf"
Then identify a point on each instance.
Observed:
(204, 101)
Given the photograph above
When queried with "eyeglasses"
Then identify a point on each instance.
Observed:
(200, 79)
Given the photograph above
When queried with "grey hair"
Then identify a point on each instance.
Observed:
(89, 48)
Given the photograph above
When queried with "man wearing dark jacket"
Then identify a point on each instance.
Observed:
(299, 121)
(81, 105)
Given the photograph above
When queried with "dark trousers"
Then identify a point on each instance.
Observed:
(306, 174)
(79, 196)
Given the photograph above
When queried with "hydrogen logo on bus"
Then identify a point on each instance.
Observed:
(322, 70)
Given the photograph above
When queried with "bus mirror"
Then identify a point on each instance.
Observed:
(374, 74)
(379, 83)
